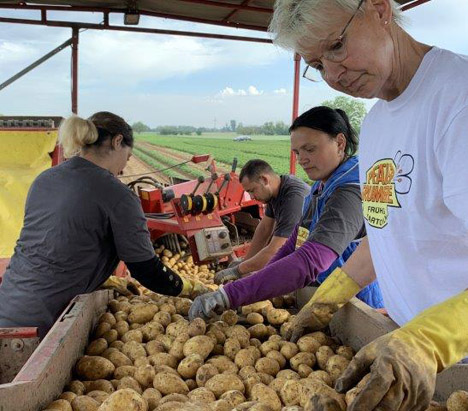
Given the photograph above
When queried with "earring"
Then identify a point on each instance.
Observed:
(386, 22)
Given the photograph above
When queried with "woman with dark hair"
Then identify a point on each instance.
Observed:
(331, 226)
(80, 220)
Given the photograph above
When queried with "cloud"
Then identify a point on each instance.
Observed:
(280, 91)
(230, 92)
(253, 91)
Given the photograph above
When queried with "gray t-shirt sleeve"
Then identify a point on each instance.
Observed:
(342, 220)
(289, 214)
(131, 236)
(269, 212)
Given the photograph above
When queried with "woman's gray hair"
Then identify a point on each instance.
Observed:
(292, 19)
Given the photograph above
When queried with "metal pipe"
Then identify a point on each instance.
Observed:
(23, 6)
(295, 110)
(413, 4)
(74, 70)
(93, 26)
(230, 5)
(35, 64)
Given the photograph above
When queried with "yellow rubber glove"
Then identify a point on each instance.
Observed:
(192, 288)
(337, 289)
(124, 286)
(403, 364)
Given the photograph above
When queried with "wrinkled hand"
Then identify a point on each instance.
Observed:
(124, 286)
(315, 317)
(208, 305)
(402, 377)
(228, 274)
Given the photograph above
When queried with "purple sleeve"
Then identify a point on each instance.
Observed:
(292, 272)
(287, 248)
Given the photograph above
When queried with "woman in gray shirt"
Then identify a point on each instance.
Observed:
(80, 221)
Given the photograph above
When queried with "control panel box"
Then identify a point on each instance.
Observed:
(213, 242)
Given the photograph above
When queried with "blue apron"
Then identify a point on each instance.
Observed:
(346, 173)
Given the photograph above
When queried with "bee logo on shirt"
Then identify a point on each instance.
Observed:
(385, 180)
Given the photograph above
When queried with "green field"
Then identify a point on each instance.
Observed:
(273, 149)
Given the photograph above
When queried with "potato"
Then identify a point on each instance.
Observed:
(229, 317)
(245, 357)
(288, 375)
(291, 392)
(435, 406)
(221, 383)
(268, 346)
(124, 371)
(246, 371)
(120, 316)
(277, 316)
(268, 366)
(167, 383)
(84, 403)
(67, 395)
(116, 344)
(231, 348)
(102, 328)
(322, 355)
(97, 347)
(277, 384)
(322, 376)
(94, 368)
(321, 337)
(124, 400)
(353, 393)
(266, 395)
(256, 307)
(183, 306)
(169, 308)
(163, 318)
(200, 344)
(255, 342)
(165, 368)
(254, 318)
(307, 343)
(133, 350)
(118, 359)
(252, 406)
(174, 329)
(250, 382)
(304, 370)
(98, 385)
(233, 397)
(177, 317)
(312, 386)
(163, 358)
(153, 347)
(99, 396)
(108, 318)
(133, 335)
(142, 313)
(276, 355)
(145, 376)
(345, 351)
(167, 341)
(61, 405)
(76, 387)
(141, 361)
(110, 336)
(223, 364)
(177, 347)
(306, 358)
(259, 331)
(189, 366)
(289, 350)
(152, 397)
(129, 382)
(336, 365)
(201, 394)
(321, 401)
(458, 401)
(196, 327)
(265, 378)
(173, 398)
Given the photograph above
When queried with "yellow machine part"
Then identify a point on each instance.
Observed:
(24, 154)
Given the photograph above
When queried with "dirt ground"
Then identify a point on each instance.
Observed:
(136, 166)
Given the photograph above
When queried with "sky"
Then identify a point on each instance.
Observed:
(174, 80)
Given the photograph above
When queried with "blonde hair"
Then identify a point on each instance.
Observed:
(294, 20)
(75, 133)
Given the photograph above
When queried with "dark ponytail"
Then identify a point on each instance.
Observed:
(330, 121)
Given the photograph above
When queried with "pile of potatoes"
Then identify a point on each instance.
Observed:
(183, 265)
(144, 355)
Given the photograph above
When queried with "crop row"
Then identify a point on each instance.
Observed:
(156, 164)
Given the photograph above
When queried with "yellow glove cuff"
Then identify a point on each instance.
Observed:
(338, 288)
(187, 287)
(441, 331)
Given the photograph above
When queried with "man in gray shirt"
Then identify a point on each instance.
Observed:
(284, 197)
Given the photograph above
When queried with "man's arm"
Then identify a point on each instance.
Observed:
(261, 259)
(261, 236)
(359, 266)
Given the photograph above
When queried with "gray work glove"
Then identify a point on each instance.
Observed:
(206, 306)
(228, 274)
(235, 263)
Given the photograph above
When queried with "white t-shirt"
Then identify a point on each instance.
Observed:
(414, 176)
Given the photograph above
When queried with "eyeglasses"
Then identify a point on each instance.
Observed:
(336, 52)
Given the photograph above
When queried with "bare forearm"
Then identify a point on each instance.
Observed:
(359, 266)
(261, 259)
(259, 240)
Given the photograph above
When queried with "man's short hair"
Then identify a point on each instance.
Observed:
(253, 169)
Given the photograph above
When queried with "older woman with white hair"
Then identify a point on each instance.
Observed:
(413, 169)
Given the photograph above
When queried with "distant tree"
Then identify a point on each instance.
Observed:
(355, 109)
(199, 132)
(139, 127)
(233, 125)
